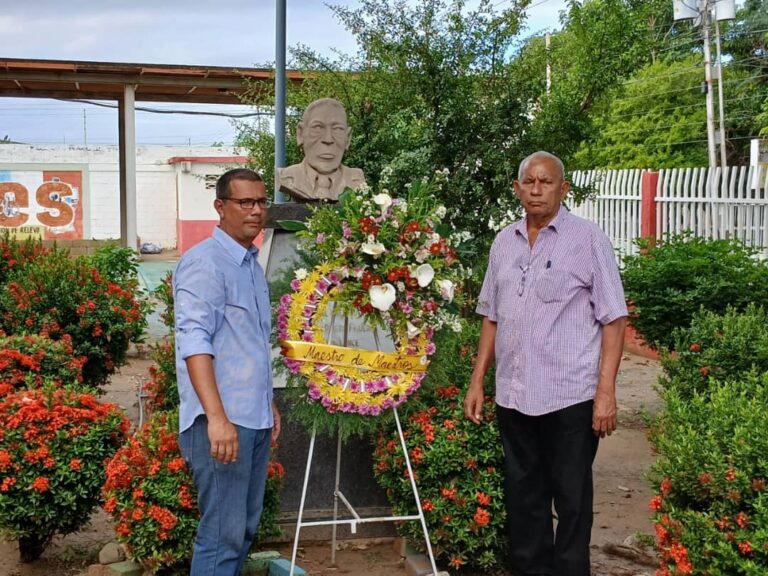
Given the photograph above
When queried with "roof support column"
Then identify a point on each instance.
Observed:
(127, 143)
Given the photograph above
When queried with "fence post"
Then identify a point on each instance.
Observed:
(648, 204)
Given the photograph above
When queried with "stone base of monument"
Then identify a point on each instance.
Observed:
(357, 482)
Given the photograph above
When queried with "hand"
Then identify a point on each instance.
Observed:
(278, 425)
(473, 404)
(222, 435)
(604, 414)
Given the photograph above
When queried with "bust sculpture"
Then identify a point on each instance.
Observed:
(324, 136)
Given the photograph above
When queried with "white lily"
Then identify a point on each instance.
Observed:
(424, 275)
(383, 200)
(382, 297)
(412, 331)
(373, 248)
(300, 273)
(447, 289)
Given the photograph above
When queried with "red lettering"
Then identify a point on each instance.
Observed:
(43, 195)
(13, 199)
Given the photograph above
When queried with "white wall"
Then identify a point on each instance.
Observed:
(157, 183)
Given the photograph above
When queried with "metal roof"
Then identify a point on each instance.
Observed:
(69, 79)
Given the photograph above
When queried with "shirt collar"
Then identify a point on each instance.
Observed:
(521, 226)
(237, 252)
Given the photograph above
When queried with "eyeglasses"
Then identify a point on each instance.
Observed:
(249, 203)
(521, 286)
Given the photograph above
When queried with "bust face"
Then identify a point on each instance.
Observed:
(324, 136)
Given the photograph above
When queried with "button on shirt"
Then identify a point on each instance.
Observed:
(549, 303)
(222, 308)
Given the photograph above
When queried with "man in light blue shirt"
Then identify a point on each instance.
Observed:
(227, 419)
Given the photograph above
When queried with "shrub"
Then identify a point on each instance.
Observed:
(727, 346)
(29, 361)
(457, 465)
(54, 295)
(668, 282)
(53, 444)
(14, 254)
(150, 494)
(117, 264)
(711, 479)
(162, 391)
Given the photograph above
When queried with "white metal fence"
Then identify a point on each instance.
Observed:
(713, 203)
(614, 205)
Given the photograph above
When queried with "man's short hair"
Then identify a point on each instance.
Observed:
(222, 184)
(322, 102)
(536, 156)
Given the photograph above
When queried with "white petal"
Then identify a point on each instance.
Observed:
(447, 289)
(424, 274)
(373, 248)
(383, 200)
(382, 297)
(412, 331)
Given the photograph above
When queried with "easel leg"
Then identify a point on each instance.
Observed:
(303, 499)
(336, 499)
(415, 492)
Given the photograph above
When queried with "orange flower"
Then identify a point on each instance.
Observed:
(40, 484)
(75, 464)
(5, 459)
(482, 517)
(655, 503)
(483, 499)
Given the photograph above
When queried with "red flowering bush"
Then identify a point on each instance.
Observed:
(711, 503)
(150, 494)
(28, 361)
(14, 253)
(53, 445)
(457, 465)
(53, 295)
(720, 346)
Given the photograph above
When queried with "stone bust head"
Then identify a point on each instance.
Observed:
(324, 136)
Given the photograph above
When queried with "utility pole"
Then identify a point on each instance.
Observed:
(85, 129)
(547, 39)
(708, 86)
(280, 81)
(721, 104)
(698, 11)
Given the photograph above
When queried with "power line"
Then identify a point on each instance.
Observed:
(177, 111)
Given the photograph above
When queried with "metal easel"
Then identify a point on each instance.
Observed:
(339, 496)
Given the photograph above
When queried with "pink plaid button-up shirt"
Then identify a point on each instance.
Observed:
(549, 304)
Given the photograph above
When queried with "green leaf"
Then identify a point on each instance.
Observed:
(292, 225)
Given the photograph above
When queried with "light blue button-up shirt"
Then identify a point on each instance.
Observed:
(222, 308)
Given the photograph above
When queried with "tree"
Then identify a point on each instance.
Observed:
(657, 119)
(428, 90)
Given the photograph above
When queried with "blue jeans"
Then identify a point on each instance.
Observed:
(230, 497)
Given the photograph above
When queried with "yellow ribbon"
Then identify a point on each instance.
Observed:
(352, 357)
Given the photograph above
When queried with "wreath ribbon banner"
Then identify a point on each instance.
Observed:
(352, 357)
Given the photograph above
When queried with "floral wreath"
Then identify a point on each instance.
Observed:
(384, 260)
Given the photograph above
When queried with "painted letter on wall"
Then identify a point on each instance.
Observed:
(42, 203)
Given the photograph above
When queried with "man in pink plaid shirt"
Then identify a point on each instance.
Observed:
(554, 318)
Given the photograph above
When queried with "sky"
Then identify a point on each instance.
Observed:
(198, 32)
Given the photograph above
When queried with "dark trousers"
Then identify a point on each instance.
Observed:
(548, 460)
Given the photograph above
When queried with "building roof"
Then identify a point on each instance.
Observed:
(106, 81)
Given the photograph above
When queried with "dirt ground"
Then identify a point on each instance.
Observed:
(621, 499)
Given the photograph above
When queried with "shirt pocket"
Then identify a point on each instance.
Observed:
(238, 300)
(554, 285)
